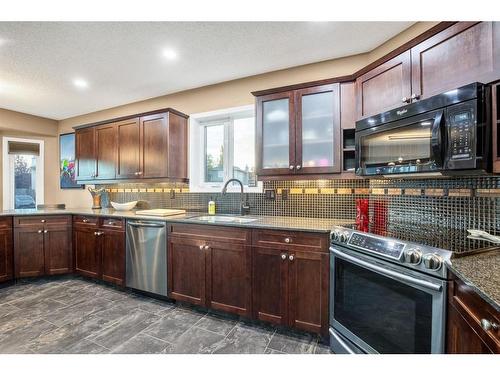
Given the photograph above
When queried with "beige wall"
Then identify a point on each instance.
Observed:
(223, 95)
(16, 124)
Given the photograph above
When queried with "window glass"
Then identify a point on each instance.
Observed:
(244, 151)
(24, 181)
(214, 153)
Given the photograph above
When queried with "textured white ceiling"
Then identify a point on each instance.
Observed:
(123, 61)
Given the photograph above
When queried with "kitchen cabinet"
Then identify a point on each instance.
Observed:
(100, 248)
(146, 146)
(461, 54)
(495, 95)
(385, 87)
(298, 132)
(471, 321)
(290, 279)
(42, 246)
(210, 268)
(6, 250)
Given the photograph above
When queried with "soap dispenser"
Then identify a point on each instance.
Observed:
(211, 206)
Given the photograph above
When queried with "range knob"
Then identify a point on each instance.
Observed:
(343, 236)
(433, 261)
(413, 256)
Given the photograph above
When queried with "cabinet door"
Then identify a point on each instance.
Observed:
(228, 278)
(6, 254)
(105, 136)
(57, 250)
(128, 149)
(386, 87)
(461, 337)
(461, 54)
(28, 252)
(317, 133)
(178, 146)
(87, 252)
(113, 256)
(186, 270)
(85, 154)
(308, 296)
(154, 144)
(270, 285)
(276, 134)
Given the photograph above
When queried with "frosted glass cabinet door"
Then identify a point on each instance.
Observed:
(318, 130)
(276, 132)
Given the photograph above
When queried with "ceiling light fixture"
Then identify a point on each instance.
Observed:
(169, 54)
(80, 83)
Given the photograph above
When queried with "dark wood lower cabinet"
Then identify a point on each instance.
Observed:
(87, 253)
(58, 250)
(461, 338)
(6, 251)
(113, 256)
(29, 258)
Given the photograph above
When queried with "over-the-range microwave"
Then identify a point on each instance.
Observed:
(446, 134)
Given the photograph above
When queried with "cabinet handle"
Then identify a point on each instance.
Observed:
(290, 258)
(139, 173)
(95, 233)
(288, 240)
(291, 167)
(85, 220)
(298, 167)
(40, 231)
(487, 325)
(283, 256)
(207, 247)
(111, 223)
(45, 231)
(42, 221)
(405, 99)
(415, 97)
(202, 247)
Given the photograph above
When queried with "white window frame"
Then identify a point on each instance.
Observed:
(197, 151)
(8, 172)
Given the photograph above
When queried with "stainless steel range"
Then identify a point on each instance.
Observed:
(386, 295)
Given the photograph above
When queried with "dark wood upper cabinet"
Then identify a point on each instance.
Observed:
(6, 250)
(298, 132)
(385, 87)
(348, 105)
(275, 134)
(85, 154)
(129, 152)
(461, 54)
(106, 147)
(151, 146)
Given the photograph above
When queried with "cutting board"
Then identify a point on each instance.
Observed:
(160, 212)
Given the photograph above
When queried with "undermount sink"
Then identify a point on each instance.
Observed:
(223, 219)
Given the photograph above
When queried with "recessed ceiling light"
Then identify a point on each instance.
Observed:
(169, 54)
(80, 83)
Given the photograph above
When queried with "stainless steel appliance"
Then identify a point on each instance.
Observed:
(386, 295)
(146, 261)
(442, 135)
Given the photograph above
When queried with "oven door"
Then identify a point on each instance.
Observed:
(383, 309)
(411, 145)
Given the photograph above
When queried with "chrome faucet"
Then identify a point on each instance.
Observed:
(244, 207)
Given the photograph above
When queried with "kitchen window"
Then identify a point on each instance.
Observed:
(23, 175)
(223, 147)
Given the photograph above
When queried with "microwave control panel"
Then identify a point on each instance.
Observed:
(461, 124)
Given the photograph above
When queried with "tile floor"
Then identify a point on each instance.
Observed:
(73, 315)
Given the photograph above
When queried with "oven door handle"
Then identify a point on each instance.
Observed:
(437, 138)
(386, 272)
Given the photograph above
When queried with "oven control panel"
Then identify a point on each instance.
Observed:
(382, 246)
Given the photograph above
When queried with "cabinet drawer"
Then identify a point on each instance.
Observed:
(85, 221)
(216, 233)
(6, 222)
(28, 221)
(291, 240)
(112, 223)
(473, 308)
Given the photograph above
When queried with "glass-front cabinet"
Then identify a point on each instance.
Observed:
(298, 132)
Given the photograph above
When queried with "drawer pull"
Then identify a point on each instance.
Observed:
(202, 247)
(290, 258)
(288, 240)
(283, 256)
(206, 247)
(487, 325)
(111, 223)
(42, 221)
(40, 231)
(45, 231)
(85, 220)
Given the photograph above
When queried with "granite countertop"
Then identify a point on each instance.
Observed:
(264, 222)
(481, 271)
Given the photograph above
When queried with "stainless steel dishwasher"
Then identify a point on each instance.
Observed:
(147, 256)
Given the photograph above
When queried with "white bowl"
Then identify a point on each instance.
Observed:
(123, 206)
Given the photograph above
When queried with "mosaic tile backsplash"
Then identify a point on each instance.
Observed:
(435, 212)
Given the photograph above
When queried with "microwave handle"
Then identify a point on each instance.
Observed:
(437, 138)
